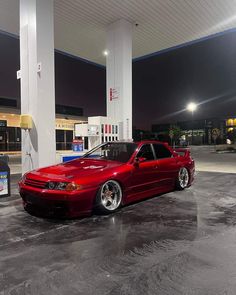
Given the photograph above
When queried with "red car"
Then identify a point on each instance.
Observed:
(108, 176)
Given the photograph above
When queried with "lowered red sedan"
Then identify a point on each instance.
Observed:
(109, 176)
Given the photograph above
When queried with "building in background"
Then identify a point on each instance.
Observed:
(231, 129)
(205, 131)
(10, 132)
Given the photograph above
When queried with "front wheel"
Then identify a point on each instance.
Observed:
(109, 197)
(183, 178)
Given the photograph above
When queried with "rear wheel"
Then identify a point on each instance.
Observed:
(183, 178)
(109, 197)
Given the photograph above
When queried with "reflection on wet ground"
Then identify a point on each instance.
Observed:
(177, 243)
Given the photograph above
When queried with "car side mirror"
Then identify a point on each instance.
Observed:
(175, 154)
(139, 160)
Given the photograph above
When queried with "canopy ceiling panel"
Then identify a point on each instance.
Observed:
(80, 25)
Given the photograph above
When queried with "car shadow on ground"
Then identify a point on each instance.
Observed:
(163, 217)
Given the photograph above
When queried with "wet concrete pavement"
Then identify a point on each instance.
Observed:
(177, 243)
(208, 160)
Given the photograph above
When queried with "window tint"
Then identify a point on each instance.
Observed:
(161, 151)
(120, 152)
(146, 152)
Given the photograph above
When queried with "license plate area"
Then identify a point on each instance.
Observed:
(32, 199)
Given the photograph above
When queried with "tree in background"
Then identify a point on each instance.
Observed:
(175, 133)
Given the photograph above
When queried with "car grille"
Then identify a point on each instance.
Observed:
(35, 183)
(38, 206)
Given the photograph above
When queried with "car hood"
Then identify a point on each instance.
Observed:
(75, 169)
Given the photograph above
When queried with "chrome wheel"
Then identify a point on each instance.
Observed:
(183, 177)
(111, 195)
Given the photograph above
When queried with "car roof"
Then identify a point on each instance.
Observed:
(140, 142)
(151, 141)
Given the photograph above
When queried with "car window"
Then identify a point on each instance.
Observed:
(114, 151)
(146, 152)
(162, 151)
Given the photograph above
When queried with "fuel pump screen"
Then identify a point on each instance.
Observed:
(93, 130)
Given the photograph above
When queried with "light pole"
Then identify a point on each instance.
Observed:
(192, 106)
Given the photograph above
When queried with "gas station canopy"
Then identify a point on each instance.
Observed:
(80, 25)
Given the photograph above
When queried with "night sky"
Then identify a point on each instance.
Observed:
(204, 72)
(77, 83)
(163, 84)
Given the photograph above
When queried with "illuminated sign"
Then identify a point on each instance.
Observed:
(231, 122)
(64, 126)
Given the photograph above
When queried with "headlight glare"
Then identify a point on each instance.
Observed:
(62, 186)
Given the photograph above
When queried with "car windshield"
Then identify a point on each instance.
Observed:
(114, 151)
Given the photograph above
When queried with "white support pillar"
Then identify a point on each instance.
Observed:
(119, 76)
(37, 82)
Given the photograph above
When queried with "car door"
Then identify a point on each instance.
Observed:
(167, 167)
(143, 177)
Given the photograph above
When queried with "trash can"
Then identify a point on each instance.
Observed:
(5, 184)
(4, 158)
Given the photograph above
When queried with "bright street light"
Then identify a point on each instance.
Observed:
(192, 106)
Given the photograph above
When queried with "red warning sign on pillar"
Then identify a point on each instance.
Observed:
(114, 93)
(110, 94)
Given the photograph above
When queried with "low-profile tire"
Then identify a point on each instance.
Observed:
(109, 197)
(182, 180)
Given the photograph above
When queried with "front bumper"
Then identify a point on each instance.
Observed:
(57, 203)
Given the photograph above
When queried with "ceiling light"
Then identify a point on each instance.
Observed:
(105, 52)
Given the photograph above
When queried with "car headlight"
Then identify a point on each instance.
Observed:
(51, 185)
(62, 186)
